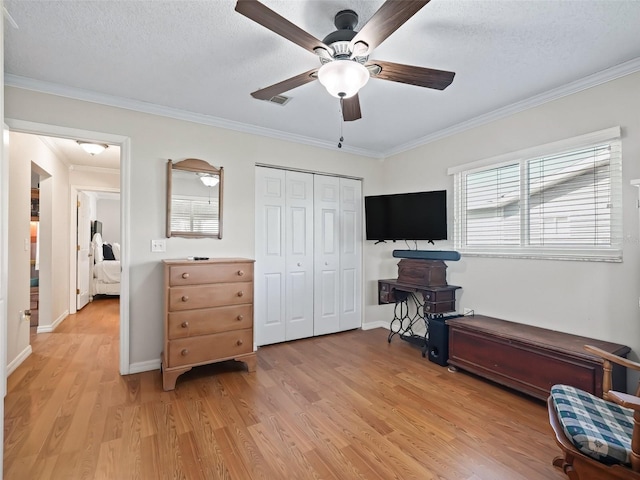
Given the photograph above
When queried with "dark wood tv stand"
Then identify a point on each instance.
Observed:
(527, 358)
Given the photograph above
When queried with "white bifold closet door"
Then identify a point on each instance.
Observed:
(308, 255)
(338, 243)
(283, 308)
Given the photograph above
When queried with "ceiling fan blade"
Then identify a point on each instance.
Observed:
(266, 17)
(420, 76)
(391, 16)
(284, 86)
(351, 108)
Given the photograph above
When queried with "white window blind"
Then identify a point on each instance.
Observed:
(565, 205)
(190, 214)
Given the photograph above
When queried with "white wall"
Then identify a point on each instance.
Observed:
(95, 180)
(108, 212)
(18, 263)
(592, 299)
(27, 152)
(154, 140)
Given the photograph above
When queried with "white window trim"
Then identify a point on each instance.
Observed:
(611, 253)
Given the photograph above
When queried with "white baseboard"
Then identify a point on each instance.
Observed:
(147, 366)
(372, 325)
(54, 325)
(16, 362)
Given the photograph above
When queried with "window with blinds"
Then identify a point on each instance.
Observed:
(564, 205)
(189, 214)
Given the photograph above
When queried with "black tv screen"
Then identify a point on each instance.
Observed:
(407, 216)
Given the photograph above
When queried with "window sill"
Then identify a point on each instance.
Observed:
(610, 256)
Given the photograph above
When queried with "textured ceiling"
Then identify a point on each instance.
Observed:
(203, 58)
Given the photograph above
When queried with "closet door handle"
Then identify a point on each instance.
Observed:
(299, 264)
(184, 352)
(240, 318)
(185, 298)
(240, 273)
(185, 275)
(185, 325)
(240, 293)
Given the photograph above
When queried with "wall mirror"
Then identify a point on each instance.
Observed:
(194, 199)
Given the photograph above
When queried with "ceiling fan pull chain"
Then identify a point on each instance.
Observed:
(341, 123)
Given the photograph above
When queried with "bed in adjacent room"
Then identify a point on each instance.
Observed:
(105, 268)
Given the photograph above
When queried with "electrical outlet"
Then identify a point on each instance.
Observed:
(158, 245)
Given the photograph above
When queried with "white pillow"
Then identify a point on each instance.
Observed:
(97, 239)
(116, 250)
(97, 252)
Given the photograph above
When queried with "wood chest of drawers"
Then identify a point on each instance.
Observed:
(208, 314)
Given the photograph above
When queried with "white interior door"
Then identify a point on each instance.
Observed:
(83, 251)
(299, 255)
(269, 274)
(350, 253)
(327, 254)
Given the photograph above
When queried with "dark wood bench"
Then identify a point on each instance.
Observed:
(529, 359)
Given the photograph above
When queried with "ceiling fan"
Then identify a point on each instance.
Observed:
(344, 54)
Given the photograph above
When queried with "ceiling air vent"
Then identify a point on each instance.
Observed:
(279, 99)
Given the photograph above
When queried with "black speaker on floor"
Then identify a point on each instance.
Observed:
(438, 344)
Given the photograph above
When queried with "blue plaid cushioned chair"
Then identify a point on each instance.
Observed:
(600, 438)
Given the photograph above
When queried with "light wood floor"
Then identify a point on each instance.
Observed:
(335, 407)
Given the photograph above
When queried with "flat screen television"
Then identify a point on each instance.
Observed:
(407, 216)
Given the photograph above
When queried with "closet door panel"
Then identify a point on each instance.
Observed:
(299, 255)
(270, 279)
(350, 254)
(327, 254)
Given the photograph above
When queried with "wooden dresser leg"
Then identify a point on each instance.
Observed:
(250, 361)
(169, 377)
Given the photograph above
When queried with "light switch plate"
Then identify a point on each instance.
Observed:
(158, 245)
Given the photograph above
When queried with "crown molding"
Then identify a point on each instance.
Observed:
(56, 151)
(88, 168)
(60, 90)
(621, 70)
(604, 76)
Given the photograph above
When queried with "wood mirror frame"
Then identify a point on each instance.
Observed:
(180, 176)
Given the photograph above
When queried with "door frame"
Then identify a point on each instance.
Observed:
(73, 267)
(125, 207)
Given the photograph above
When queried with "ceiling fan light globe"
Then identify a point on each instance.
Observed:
(343, 78)
(209, 180)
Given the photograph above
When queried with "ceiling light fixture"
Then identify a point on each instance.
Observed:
(209, 180)
(343, 78)
(93, 148)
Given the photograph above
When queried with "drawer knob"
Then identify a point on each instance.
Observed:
(428, 296)
(185, 298)
(240, 293)
(185, 275)
(240, 317)
(428, 307)
(239, 342)
(184, 352)
(240, 273)
(185, 325)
